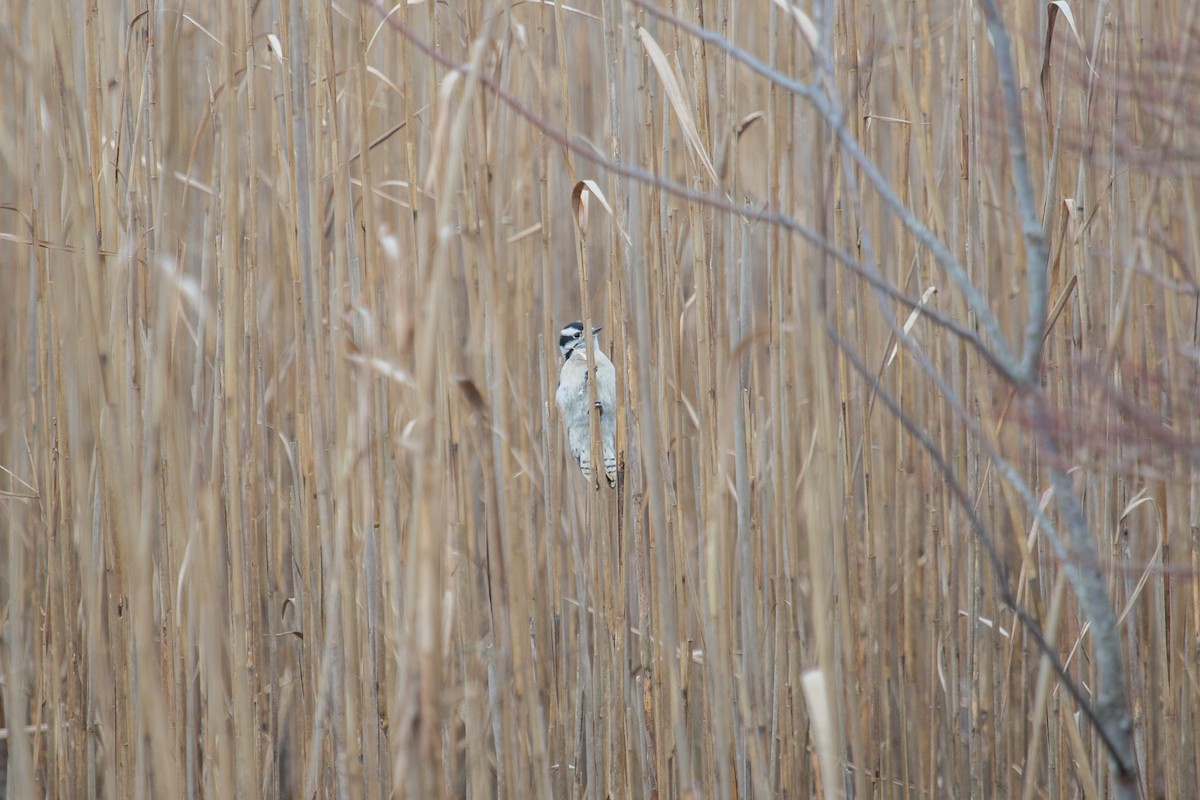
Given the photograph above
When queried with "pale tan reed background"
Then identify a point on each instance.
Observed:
(284, 503)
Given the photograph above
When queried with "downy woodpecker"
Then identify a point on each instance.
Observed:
(572, 400)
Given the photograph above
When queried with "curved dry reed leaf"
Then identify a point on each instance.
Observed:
(384, 367)
(1056, 7)
(564, 7)
(912, 320)
(1138, 499)
(383, 21)
(675, 95)
(202, 29)
(1053, 9)
(747, 121)
(807, 29)
(378, 74)
(592, 188)
(579, 206)
(1153, 568)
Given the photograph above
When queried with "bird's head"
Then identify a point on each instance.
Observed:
(571, 338)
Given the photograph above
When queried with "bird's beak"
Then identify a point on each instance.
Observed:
(596, 330)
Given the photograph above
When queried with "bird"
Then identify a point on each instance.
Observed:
(572, 400)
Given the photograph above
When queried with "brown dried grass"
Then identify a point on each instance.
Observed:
(283, 495)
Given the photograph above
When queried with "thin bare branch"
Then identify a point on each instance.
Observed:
(1037, 255)
(835, 118)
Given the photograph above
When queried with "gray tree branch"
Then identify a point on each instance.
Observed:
(1037, 255)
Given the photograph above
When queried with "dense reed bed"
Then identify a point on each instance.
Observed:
(283, 497)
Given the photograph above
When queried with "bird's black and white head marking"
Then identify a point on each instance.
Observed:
(571, 337)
